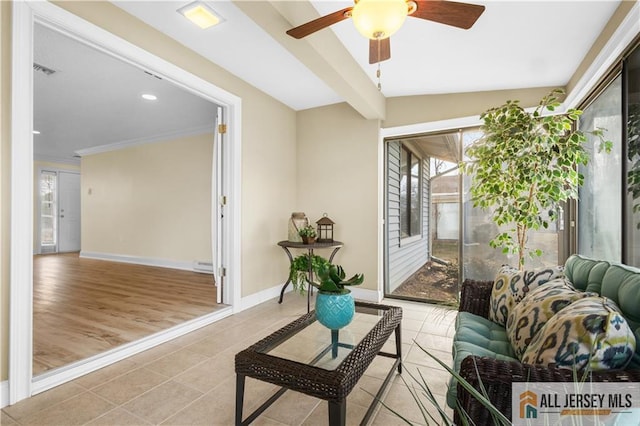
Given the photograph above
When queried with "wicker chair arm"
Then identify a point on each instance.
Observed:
(475, 297)
(497, 376)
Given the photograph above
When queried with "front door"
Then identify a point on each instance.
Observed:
(69, 212)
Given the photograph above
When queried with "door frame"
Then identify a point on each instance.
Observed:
(24, 14)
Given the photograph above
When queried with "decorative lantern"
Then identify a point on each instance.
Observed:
(325, 229)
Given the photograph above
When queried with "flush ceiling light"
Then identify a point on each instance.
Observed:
(378, 19)
(36, 132)
(149, 97)
(200, 14)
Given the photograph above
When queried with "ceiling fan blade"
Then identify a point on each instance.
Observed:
(461, 15)
(379, 50)
(320, 23)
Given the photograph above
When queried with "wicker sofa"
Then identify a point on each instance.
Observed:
(492, 366)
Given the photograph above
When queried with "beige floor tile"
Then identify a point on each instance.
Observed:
(208, 374)
(7, 420)
(209, 346)
(176, 362)
(105, 374)
(161, 402)
(411, 324)
(255, 393)
(400, 400)
(417, 375)
(129, 386)
(364, 391)
(387, 418)
(414, 315)
(320, 415)
(153, 354)
(43, 401)
(432, 341)
(292, 408)
(118, 417)
(214, 408)
(78, 410)
(418, 356)
(265, 421)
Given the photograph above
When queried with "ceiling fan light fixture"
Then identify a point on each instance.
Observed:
(379, 19)
(200, 14)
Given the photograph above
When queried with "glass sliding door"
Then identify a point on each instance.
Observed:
(600, 198)
(632, 108)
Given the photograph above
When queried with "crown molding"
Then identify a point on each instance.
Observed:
(162, 137)
(55, 159)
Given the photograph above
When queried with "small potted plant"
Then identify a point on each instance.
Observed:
(308, 234)
(335, 306)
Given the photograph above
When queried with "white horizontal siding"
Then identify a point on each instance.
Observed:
(403, 260)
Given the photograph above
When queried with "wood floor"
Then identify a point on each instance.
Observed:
(82, 307)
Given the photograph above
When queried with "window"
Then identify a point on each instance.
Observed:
(632, 92)
(48, 208)
(410, 194)
(600, 202)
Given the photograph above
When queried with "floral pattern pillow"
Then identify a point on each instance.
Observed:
(512, 285)
(591, 332)
(533, 312)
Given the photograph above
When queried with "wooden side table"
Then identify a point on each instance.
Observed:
(286, 245)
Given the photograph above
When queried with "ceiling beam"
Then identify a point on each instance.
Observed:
(321, 52)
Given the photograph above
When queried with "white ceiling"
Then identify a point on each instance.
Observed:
(514, 44)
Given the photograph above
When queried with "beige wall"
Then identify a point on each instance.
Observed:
(151, 200)
(37, 165)
(5, 174)
(407, 110)
(338, 174)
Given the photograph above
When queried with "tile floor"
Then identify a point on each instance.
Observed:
(191, 380)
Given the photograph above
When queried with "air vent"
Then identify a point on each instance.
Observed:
(43, 69)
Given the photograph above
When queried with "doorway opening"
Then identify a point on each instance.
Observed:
(423, 218)
(58, 211)
(22, 384)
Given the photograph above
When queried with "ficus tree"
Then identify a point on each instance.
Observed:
(524, 166)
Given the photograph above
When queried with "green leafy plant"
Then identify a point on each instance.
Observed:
(332, 279)
(524, 166)
(300, 267)
(308, 231)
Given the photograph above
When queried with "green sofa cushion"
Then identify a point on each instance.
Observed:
(585, 274)
(476, 335)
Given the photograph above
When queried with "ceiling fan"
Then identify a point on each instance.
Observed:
(379, 19)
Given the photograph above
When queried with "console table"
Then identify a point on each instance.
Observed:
(286, 245)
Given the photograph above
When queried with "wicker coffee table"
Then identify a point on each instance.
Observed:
(307, 357)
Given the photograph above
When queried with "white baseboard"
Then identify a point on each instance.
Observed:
(139, 260)
(261, 296)
(4, 394)
(69, 372)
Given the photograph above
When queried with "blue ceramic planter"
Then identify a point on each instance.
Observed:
(334, 311)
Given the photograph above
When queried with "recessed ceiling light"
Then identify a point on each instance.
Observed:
(36, 132)
(200, 14)
(149, 97)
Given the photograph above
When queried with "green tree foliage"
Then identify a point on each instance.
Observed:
(524, 166)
